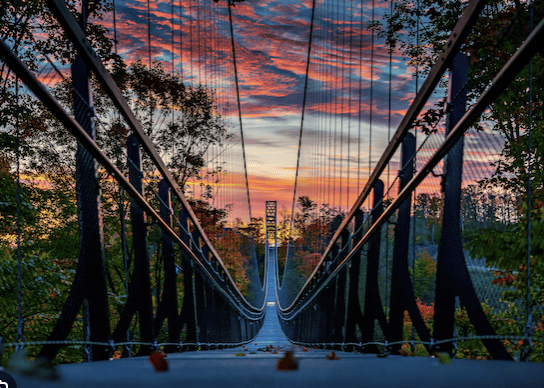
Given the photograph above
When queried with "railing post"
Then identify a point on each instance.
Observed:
(187, 315)
(354, 315)
(198, 291)
(141, 282)
(373, 308)
(326, 319)
(92, 247)
(452, 277)
(211, 314)
(90, 279)
(402, 291)
(338, 335)
(199, 294)
(222, 327)
(168, 306)
(91, 236)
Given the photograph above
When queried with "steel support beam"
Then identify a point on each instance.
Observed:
(140, 288)
(168, 306)
(528, 49)
(373, 307)
(231, 293)
(455, 40)
(452, 277)
(402, 290)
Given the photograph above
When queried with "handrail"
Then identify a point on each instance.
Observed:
(508, 72)
(77, 35)
(20, 69)
(456, 38)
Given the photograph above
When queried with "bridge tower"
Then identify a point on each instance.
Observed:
(271, 225)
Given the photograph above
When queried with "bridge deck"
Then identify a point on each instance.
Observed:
(271, 333)
(224, 369)
(251, 367)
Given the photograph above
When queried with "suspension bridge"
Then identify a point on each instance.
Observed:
(131, 229)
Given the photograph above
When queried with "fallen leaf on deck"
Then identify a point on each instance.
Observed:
(403, 352)
(443, 357)
(157, 359)
(39, 368)
(288, 362)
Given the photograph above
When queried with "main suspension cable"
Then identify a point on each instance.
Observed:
(302, 117)
(239, 107)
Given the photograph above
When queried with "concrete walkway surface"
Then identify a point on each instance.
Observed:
(224, 369)
(254, 366)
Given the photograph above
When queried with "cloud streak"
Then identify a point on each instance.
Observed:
(357, 93)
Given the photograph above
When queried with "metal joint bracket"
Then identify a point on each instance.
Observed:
(436, 175)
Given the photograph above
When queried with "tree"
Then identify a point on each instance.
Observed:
(499, 32)
(33, 33)
(501, 29)
(424, 275)
(429, 208)
(182, 121)
(312, 232)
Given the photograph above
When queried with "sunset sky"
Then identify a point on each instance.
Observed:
(271, 40)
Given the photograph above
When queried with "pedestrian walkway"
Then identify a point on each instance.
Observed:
(271, 333)
(254, 365)
(225, 369)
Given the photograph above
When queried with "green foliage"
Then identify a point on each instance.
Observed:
(425, 276)
(313, 227)
(428, 209)
(45, 285)
(8, 207)
(507, 320)
(233, 244)
(20, 24)
(313, 230)
(507, 249)
(495, 225)
(190, 123)
(501, 29)
(20, 21)
(49, 250)
(229, 245)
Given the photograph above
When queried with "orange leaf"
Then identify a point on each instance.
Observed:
(157, 359)
(288, 362)
(332, 356)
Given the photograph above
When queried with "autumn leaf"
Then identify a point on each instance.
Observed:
(287, 362)
(404, 352)
(38, 368)
(157, 359)
(443, 357)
